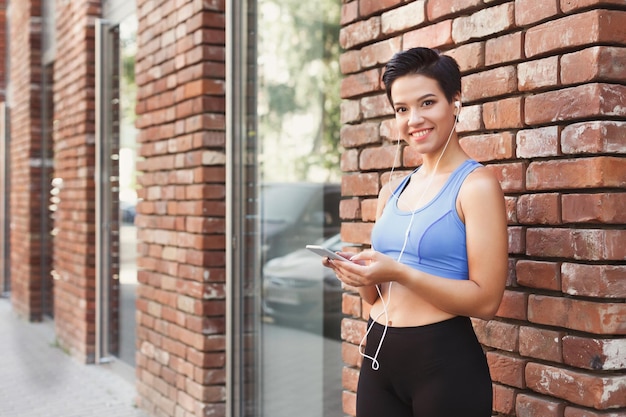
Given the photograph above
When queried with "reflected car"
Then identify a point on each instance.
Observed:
(294, 214)
(299, 291)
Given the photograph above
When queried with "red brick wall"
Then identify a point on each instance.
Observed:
(74, 162)
(181, 220)
(543, 94)
(25, 157)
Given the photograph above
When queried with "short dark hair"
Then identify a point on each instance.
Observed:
(427, 62)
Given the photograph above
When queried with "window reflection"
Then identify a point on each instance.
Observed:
(298, 128)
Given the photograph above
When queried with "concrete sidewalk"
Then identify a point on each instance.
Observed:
(37, 379)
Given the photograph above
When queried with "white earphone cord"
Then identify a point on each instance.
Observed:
(374, 359)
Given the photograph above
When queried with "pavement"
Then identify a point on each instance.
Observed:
(38, 379)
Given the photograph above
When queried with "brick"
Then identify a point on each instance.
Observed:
(349, 12)
(504, 399)
(513, 305)
(539, 209)
(599, 63)
(587, 244)
(580, 412)
(568, 6)
(370, 7)
(596, 172)
(469, 119)
(489, 147)
(351, 305)
(348, 400)
(594, 208)
(528, 12)
(517, 240)
(378, 158)
(358, 135)
(595, 26)
(357, 233)
(360, 32)
(506, 369)
(349, 160)
(488, 84)
(589, 100)
(360, 84)
(510, 203)
(364, 184)
(376, 106)
(368, 209)
(587, 316)
(470, 56)
(503, 114)
(388, 130)
(350, 62)
(436, 35)
(379, 53)
(350, 111)
(541, 344)
(538, 142)
(512, 176)
(483, 23)
(497, 334)
(538, 274)
(350, 209)
(435, 10)
(605, 136)
(349, 378)
(603, 281)
(504, 49)
(538, 74)
(532, 406)
(352, 331)
(600, 392)
(403, 18)
(594, 354)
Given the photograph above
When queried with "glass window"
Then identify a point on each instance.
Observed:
(298, 167)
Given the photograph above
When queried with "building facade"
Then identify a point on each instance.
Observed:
(162, 163)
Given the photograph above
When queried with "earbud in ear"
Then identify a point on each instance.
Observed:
(457, 104)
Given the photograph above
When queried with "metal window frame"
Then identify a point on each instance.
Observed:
(241, 225)
(102, 173)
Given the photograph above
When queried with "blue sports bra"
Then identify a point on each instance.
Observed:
(436, 243)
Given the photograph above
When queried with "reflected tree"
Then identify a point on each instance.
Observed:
(299, 81)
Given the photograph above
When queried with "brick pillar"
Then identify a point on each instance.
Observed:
(74, 162)
(181, 224)
(543, 94)
(25, 158)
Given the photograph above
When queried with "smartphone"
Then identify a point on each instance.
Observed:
(322, 251)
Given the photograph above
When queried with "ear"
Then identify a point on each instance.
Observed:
(457, 105)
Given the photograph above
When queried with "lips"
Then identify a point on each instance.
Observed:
(420, 134)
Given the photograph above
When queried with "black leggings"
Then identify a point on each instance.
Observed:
(436, 370)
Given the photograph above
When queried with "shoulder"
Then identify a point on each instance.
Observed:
(480, 186)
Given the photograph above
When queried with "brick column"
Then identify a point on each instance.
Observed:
(181, 224)
(543, 94)
(74, 162)
(25, 158)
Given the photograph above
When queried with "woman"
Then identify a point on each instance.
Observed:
(439, 256)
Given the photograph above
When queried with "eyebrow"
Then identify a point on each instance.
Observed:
(425, 96)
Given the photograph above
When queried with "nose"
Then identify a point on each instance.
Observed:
(415, 117)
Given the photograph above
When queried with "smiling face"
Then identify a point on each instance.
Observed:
(424, 117)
